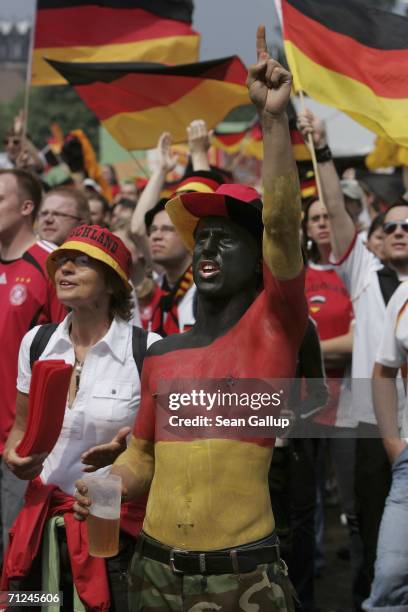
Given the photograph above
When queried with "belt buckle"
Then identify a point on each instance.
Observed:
(172, 561)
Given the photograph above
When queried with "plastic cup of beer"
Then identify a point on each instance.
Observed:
(104, 514)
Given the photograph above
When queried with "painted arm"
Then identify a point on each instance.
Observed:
(136, 468)
(342, 227)
(385, 400)
(269, 87)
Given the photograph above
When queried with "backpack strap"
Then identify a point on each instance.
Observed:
(44, 333)
(139, 347)
(40, 341)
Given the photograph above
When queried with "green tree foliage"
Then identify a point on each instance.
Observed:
(58, 104)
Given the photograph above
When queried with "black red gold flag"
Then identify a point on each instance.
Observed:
(136, 102)
(248, 140)
(352, 57)
(111, 30)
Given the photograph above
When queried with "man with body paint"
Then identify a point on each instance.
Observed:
(208, 538)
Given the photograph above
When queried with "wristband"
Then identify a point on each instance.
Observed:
(323, 155)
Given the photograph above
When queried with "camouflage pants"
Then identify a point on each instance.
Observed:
(153, 587)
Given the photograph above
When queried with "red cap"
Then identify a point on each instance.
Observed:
(240, 203)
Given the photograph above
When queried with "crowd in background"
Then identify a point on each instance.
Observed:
(356, 256)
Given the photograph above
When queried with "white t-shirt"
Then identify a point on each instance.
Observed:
(358, 269)
(108, 397)
(393, 348)
(185, 309)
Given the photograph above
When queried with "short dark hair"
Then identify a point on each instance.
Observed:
(121, 304)
(400, 202)
(150, 215)
(79, 197)
(100, 198)
(312, 252)
(376, 223)
(126, 203)
(28, 185)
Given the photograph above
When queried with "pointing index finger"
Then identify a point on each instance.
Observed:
(261, 48)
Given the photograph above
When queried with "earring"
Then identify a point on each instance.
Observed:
(309, 244)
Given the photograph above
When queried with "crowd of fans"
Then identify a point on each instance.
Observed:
(356, 255)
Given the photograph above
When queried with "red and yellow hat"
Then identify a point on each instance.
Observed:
(197, 183)
(240, 203)
(99, 243)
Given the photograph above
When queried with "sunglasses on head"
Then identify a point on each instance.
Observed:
(390, 227)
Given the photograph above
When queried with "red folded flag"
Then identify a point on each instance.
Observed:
(47, 401)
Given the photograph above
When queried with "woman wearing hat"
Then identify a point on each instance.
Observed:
(90, 271)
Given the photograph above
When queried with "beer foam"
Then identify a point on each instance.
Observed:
(111, 514)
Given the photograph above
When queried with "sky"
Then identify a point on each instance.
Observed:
(227, 27)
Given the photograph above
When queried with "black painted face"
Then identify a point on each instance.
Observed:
(225, 259)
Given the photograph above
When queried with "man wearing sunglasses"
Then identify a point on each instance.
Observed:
(371, 285)
(62, 209)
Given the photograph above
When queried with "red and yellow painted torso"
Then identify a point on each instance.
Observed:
(213, 493)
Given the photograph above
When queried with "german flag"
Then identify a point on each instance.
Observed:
(231, 142)
(111, 30)
(300, 150)
(137, 102)
(386, 154)
(253, 145)
(352, 57)
(248, 141)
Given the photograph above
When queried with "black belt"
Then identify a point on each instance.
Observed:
(235, 560)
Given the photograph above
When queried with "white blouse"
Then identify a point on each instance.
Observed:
(107, 399)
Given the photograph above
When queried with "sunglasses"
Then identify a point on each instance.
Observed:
(390, 227)
(80, 260)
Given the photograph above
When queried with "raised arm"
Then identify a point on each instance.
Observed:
(151, 193)
(342, 227)
(269, 87)
(198, 144)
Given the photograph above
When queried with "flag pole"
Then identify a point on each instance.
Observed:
(312, 153)
(279, 11)
(28, 81)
